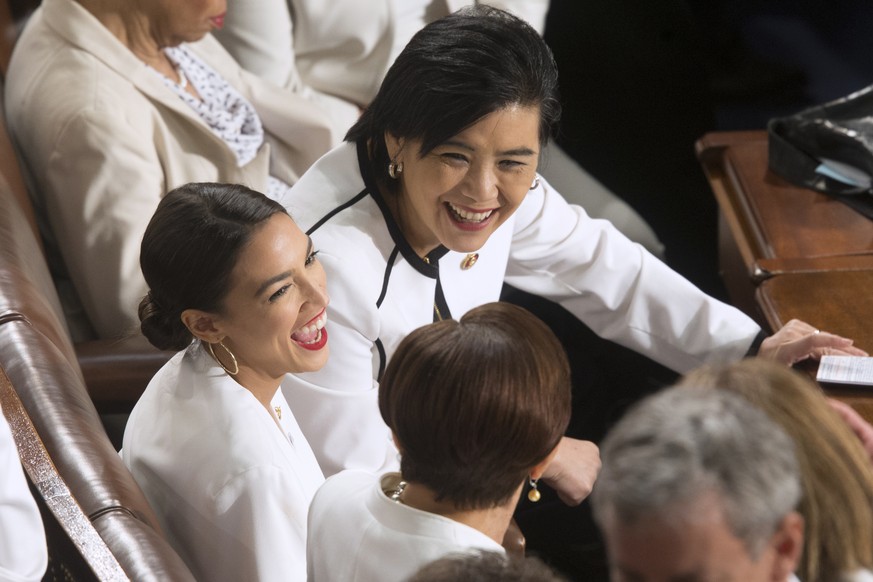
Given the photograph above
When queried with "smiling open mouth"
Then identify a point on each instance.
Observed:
(466, 216)
(312, 336)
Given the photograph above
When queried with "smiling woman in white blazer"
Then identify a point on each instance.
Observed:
(92, 109)
(212, 442)
(345, 47)
(435, 203)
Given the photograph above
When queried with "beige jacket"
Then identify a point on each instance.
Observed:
(102, 139)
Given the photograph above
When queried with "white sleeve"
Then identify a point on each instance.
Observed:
(23, 553)
(619, 289)
(259, 34)
(532, 11)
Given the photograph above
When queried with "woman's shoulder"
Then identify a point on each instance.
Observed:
(330, 191)
(343, 491)
(220, 432)
(53, 65)
(51, 84)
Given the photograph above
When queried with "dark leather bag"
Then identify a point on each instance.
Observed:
(841, 131)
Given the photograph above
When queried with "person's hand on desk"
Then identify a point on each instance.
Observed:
(574, 470)
(797, 341)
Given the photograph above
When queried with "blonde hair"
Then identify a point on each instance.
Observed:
(836, 472)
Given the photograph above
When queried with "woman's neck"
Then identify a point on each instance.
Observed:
(493, 522)
(133, 26)
(262, 386)
(263, 391)
(421, 240)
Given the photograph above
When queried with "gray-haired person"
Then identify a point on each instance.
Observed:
(699, 486)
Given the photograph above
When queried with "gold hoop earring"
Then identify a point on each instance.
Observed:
(534, 493)
(235, 370)
(535, 185)
(395, 168)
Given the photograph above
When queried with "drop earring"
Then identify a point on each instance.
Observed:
(534, 493)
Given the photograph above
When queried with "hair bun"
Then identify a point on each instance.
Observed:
(162, 327)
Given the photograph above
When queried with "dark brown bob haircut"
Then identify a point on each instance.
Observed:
(476, 403)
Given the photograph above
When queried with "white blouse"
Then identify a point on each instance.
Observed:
(230, 488)
(358, 533)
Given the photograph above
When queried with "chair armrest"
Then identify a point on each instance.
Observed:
(117, 372)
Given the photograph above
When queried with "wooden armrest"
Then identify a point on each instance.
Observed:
(117, 372)
(715, 141)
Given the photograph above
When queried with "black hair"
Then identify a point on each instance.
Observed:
(454, 72)
(189, 250)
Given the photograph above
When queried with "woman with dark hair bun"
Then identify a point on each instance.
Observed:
(477, 408)
(234, 284)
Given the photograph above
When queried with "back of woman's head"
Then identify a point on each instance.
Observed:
(189, 250)
(454, 72)
(476, 403)
(837, 477)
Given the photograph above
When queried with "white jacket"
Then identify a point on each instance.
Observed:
(358, 534)
(230, 488)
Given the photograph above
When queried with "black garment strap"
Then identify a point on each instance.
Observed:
(382, 358)
(756, 344)
(388, 266)
(441, 309)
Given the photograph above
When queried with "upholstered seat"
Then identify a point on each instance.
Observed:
(94, 511)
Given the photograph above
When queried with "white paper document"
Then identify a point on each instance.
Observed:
(845, 370)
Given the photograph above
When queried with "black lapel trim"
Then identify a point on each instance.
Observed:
(337, 210)
(382, 359)
(388, 266)
(440, 307)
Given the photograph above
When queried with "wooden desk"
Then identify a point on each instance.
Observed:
(840, 302)
(787, 252)
(768, 227)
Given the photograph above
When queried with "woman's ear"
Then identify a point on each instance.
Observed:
(788, 545)
(394, 145)
(537, 470)
(203, 325)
